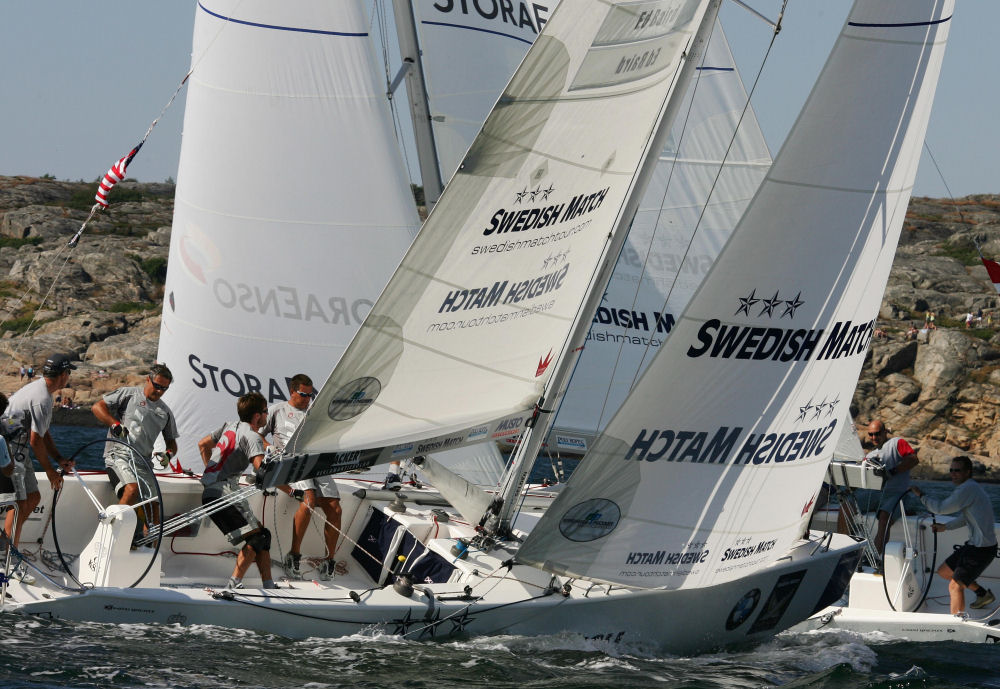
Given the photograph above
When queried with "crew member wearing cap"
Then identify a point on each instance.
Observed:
(35, 401)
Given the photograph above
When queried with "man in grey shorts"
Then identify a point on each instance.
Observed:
(33, 403)
(138, 416)
(282, 420)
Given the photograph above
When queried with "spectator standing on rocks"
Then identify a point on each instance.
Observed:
(896, 457)
(968, 562)
(34, 401)
(23, 372)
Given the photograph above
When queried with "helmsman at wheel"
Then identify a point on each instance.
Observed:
(138, 416)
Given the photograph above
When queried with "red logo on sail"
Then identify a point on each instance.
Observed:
(808, 505)
(543, 364)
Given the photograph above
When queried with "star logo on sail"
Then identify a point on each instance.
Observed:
(769, 307)
(810, 411)
(791, 305)
(746, 303)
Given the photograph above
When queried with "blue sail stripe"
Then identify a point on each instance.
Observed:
(476, 28)
(893, 26)
(280, 28)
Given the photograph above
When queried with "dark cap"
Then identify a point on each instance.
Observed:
(56, 364)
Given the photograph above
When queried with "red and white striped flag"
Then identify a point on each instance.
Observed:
(113, 176)
(993, 268)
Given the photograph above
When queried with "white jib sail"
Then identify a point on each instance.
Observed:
(291, 209)
(466, 330)
(673, 242)
(469, 50)
(710, 468)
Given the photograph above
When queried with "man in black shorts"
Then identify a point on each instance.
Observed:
(226, 453)
(968, 562)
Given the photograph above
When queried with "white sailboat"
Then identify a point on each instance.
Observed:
(694, 502)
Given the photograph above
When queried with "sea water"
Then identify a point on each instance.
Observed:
(50, 653)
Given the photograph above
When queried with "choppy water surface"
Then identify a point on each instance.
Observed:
(37, 654)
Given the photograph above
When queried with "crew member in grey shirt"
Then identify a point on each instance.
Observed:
(968, 562)
(139, 416)
(282, 420)
(34, 401)
(226, 452)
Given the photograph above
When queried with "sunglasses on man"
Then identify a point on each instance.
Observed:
(157, 386)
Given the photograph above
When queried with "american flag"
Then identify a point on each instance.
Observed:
(112, 177)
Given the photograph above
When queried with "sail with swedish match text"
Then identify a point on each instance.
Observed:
(709, 470)
(467, 329)
(281, 239)
(704, 179)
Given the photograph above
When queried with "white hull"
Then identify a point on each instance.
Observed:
(867, 609)
(523, 600)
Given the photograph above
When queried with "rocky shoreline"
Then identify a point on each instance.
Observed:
(101, 302)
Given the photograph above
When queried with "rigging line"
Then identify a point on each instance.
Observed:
(948, 189)
(55, 281)
(96, 208)
(47, 264)
(575, 338)
(652, 240)
(231, 596)
(725, 157)
(322, 516)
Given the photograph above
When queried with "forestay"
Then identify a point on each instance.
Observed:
(709, 470)
(291, 209)
(465, 332)
(704, 179)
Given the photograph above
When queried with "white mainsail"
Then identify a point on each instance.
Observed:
(704, 180)
(465, 332)
(291, 208)
(709, 470)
